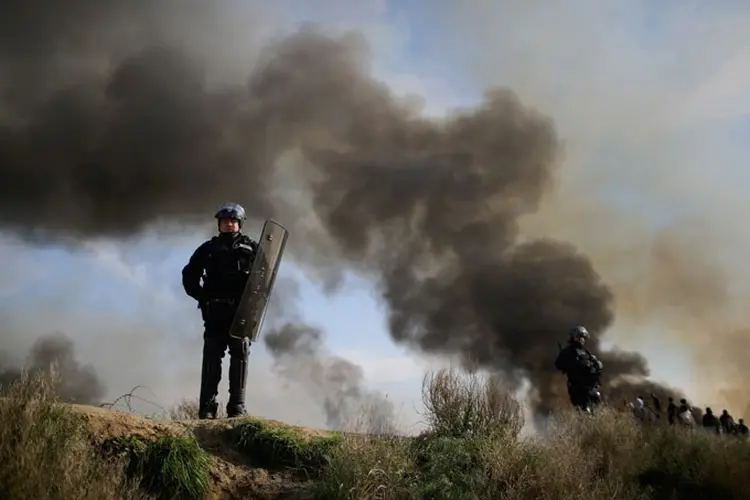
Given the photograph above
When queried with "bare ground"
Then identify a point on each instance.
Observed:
(233, 474)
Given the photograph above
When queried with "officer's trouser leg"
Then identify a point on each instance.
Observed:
(239, 350)
(213, 352)
(579, 396)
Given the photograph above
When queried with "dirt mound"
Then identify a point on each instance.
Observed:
(245, 462)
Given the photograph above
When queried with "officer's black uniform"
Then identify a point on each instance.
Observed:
(710, 422)
(672, 412)
(582, 368)
(742, 429)
(727, 423)
(224, 264)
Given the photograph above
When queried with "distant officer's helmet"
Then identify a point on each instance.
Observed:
(579, 332)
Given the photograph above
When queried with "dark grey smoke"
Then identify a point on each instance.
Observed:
(77, 383)
(335, 383)
(427, 208)
(105, 128)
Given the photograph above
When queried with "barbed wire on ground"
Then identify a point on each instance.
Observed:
(125, 402)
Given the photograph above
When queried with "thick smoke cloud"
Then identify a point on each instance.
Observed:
(106, 123)
(427, 208)
(76, 383)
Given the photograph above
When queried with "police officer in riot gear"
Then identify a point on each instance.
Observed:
(582, 369)
(223, 264)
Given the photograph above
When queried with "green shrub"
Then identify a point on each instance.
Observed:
(449, 468)
(169, 467)
(272, 445)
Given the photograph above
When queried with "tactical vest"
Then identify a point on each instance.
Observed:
(228, 266)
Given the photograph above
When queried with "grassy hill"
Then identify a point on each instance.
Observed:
(50, 450)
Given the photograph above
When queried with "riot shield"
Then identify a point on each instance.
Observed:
(252, 306)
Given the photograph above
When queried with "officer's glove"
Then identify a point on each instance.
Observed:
(597, 364)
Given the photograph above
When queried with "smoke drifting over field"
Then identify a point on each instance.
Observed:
(104, 137)
(337, 385)
(77, 383)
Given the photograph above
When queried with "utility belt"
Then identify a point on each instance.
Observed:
(219, 302)
(218, 307)
(229, 302)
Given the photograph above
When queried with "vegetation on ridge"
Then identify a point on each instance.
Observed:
(471, 451)
(167, 467)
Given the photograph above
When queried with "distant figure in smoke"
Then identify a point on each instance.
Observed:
(727, 423)
(639, 409)
(582, 368)
(742, 429)
(710, 422)
(685, 414)
(656, 402)
(672, 412)
(223, 263)
(643, 412)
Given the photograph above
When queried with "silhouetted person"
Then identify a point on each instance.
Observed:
(742, 429)
(671, 412)
(710, 422)
(639, 409)
(643, 412)
(685, 413)
(657, 404)
(727, 422)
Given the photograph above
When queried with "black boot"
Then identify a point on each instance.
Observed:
(237, 379)
(210, 378)
(208, 410)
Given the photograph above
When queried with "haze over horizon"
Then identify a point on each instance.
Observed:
(598, 181)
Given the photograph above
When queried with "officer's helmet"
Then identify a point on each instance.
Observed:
(579, 332)
(231, 210)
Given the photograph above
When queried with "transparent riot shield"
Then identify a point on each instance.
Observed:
(252, 307)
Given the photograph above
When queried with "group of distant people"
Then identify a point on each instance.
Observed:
(583, 371)
(682, 414)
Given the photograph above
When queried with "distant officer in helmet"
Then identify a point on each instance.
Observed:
(223, 265)
(582, 369)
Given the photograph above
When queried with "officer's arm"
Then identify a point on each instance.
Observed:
(596, 363)
(193, 272)
(561, 363)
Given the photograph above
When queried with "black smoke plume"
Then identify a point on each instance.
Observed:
(427, 208)
(76, 383)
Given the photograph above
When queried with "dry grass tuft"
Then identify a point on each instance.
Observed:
(469, 405)
(472, 451)
(45, 451)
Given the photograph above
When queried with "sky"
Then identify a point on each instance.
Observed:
(651, 101)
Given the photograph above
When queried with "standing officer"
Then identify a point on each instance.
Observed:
(223, 263)
(582, 368)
